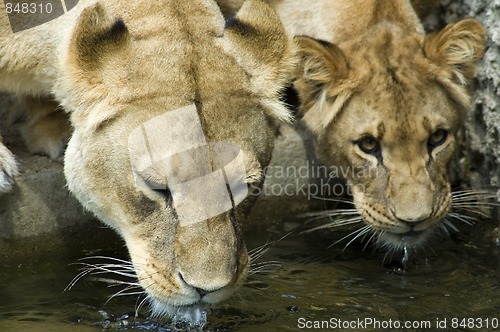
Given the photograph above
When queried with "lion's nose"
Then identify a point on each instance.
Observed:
(202, 291)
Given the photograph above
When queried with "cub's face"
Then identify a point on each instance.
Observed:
(386, 109)
(398, 146)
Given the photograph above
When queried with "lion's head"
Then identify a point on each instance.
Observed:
(387, 107)
(173, 111)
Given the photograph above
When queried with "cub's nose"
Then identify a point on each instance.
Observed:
(411, 216)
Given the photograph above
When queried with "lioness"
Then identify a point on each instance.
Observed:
(384, 100)
(120, 68)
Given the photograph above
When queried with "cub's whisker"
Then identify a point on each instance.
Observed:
(329, 213)
(361, 232)
(463, 218)
(374, 233)
(337, 223)
(353, 233)
(336, 200)
(448, 224)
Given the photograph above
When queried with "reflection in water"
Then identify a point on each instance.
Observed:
(313, 284)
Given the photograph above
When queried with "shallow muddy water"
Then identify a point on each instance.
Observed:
(313, 285)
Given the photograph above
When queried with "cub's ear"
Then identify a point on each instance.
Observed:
(322, 62)
(321, 82)
(258, 41)
(457, 48)
(96, 36)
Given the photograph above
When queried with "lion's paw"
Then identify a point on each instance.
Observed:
(43, 125)
(8, 169)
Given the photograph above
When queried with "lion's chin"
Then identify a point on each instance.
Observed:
(194, 315)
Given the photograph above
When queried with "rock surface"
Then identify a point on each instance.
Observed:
(482, 153)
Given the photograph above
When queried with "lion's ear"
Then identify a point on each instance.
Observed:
(96, 36)
(457, 48)
(258, 41)
(323, 69)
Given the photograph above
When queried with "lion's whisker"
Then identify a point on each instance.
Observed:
(260, 250)
(139, 305)
(115, 282)
(266, 267)
(111, 267)
(126, 291)
(257, 253)
(263, 263)
(123, 293)
(97, 269)
(115, 266)
(125, 262)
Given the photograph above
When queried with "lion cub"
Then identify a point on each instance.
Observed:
(384, 103)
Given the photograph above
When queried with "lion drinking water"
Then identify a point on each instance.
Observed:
(130, 74)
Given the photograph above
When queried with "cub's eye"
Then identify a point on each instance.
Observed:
(369, 144)
(438, 138)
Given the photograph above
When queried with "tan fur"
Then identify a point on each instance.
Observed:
(112, 75)
(386, 80)
(43, 125)
(376, 74)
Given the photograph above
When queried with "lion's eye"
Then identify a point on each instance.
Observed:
(158, 188)
(437, 138)
(164, 192)
(369, 144)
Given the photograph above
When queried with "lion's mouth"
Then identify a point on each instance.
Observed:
(192, 317)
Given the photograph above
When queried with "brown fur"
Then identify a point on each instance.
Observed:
(43, 125)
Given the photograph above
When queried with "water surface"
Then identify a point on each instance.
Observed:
(453, 280)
